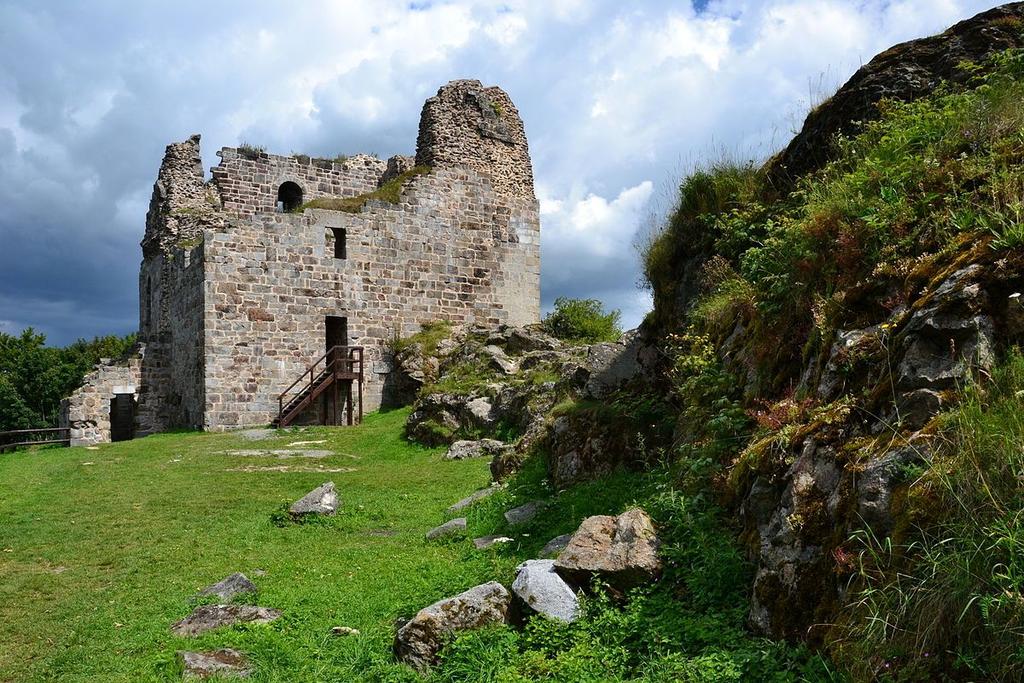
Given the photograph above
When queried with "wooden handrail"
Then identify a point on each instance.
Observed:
(347, 356)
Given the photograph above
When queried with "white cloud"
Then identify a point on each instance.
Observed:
(617, 98)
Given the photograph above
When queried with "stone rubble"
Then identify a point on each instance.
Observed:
(419, 640)
(525, 513)
(540, 589)
(223, 663)
(485, 542)
(453, 527)
(622, 551)
(472, 498)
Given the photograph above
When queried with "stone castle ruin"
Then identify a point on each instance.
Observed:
(249, 278)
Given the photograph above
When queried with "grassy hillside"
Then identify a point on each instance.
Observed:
(752, 292)
(102, 550)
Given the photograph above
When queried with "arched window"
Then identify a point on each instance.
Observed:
(289, 196)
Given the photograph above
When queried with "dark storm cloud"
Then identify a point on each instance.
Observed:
(618, 99)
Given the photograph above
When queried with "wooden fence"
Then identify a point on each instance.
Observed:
(34, 437)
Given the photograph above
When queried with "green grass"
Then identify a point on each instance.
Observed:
(103, 549)
(389, 192)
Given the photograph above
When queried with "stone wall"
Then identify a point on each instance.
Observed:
(248, 183)
(234, 295)
(87, 411)
(448, 250)
(466, 124)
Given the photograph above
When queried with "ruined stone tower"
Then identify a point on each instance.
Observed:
(246, 279)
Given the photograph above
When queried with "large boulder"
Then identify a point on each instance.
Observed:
(612, 364)
(540, 589)
(622, 551)
(323, 500)
(419, 640)
(208, 617)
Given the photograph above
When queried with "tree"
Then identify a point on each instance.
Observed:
(35, 377)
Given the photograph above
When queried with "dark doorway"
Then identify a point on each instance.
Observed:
(337, 331)
(122, 417)
(289, 197)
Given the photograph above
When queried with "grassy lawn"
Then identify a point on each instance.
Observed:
(102, 550)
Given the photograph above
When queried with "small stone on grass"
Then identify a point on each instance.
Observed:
(221, 663)
(524, 513)
(454, 527)
(227, 589)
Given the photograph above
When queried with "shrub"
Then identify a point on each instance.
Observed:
(583, 321)
(949, 598)
(251, 152)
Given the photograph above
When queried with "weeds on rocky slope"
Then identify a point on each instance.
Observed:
(950, 599)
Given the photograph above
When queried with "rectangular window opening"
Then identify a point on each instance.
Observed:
(340, 246)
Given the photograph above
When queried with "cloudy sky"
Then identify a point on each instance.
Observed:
(619, 99)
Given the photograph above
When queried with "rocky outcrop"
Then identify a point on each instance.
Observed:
(481, 448)
(584, 447)
(800, 505)
(419, 640)
(621, 551)
(518, 374)
(610, 365)
(904, 72)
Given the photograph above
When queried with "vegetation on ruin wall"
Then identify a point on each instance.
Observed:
(389, 192)
(931, 186)
(35, 377)
(145, 524)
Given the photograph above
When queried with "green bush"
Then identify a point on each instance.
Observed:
(583, 321)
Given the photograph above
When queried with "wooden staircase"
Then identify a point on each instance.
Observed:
(337, 374)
